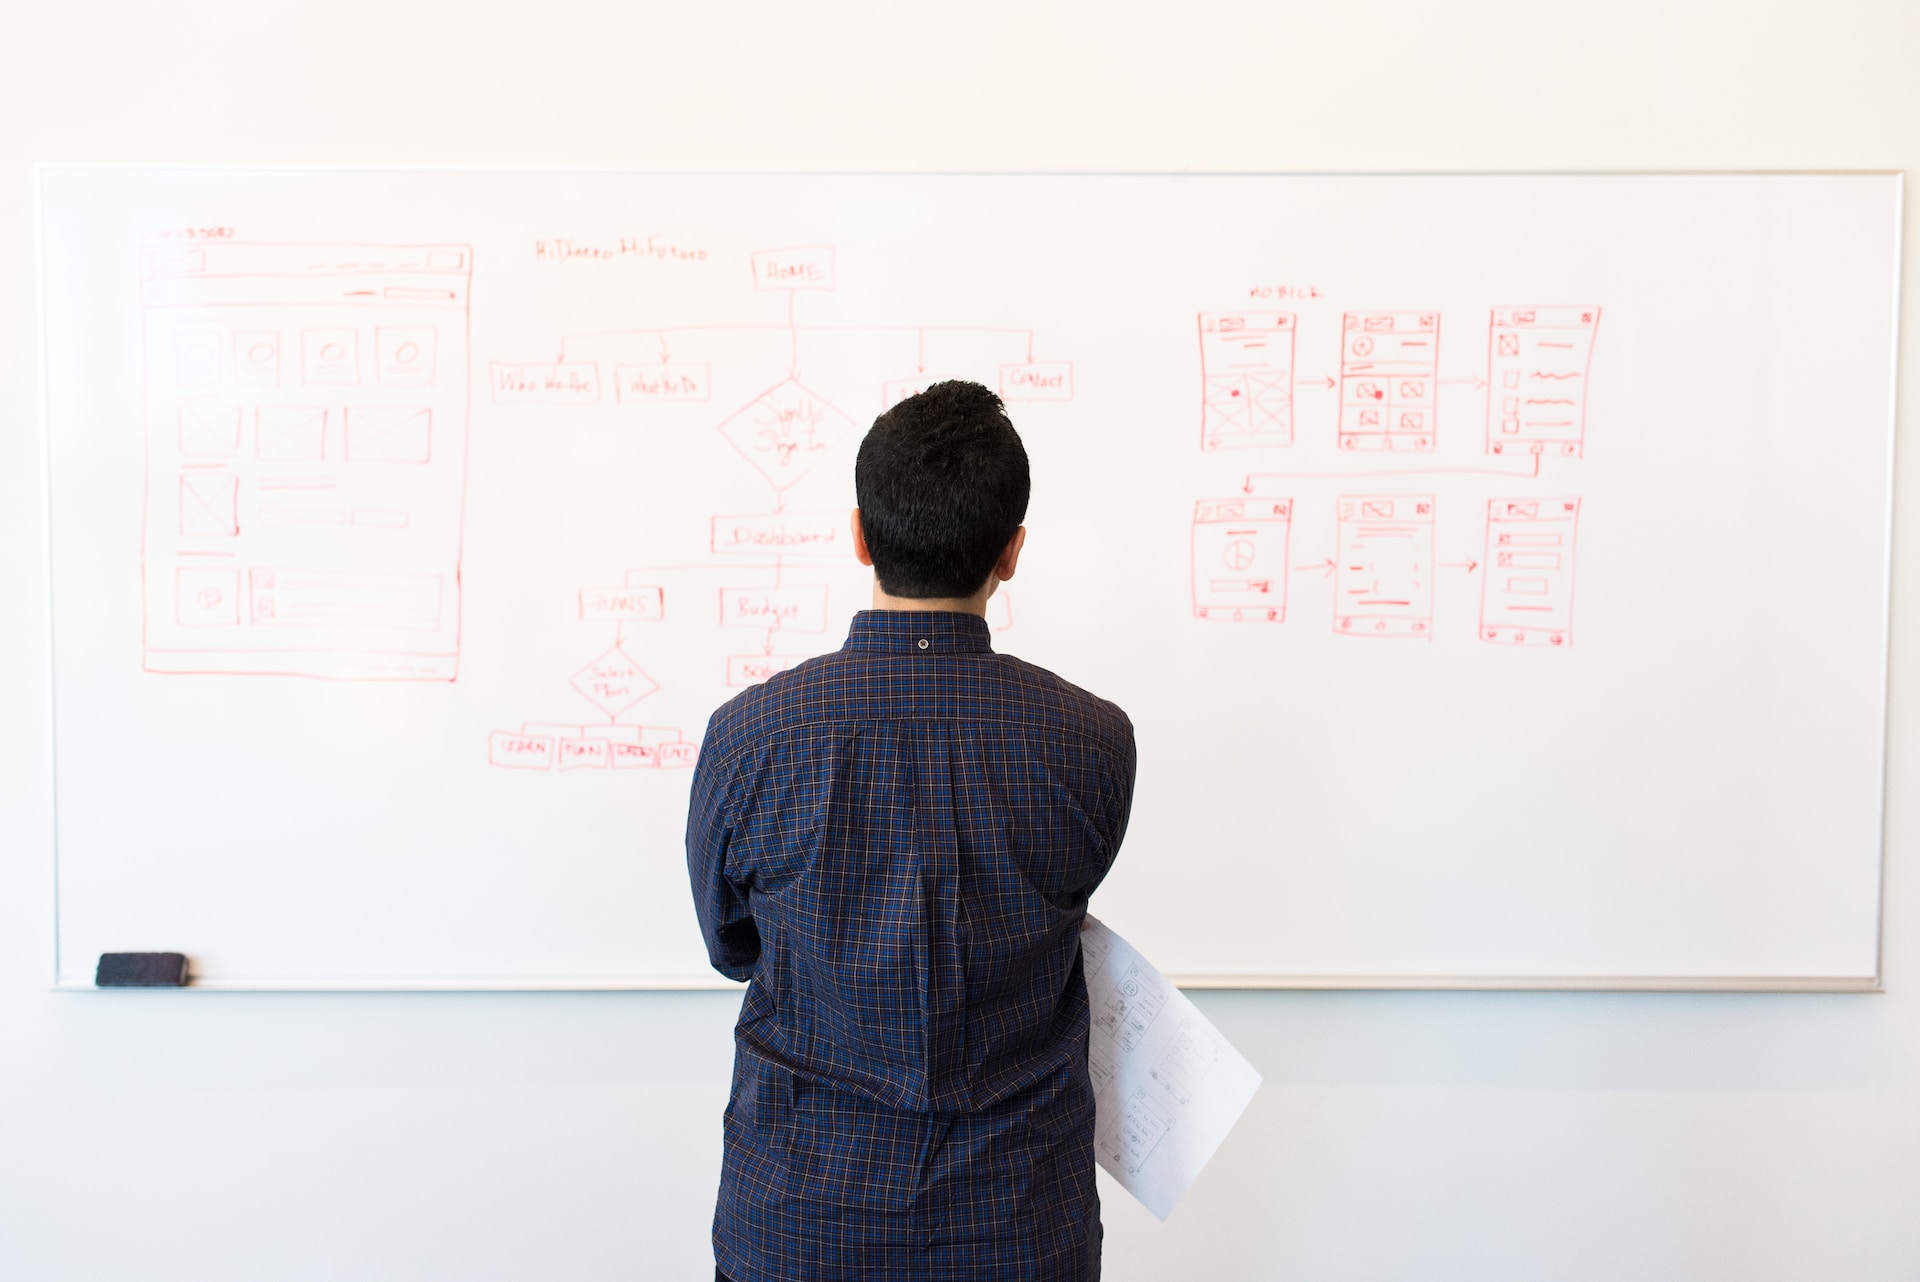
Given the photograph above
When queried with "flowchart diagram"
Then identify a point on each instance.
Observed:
(775, 577)
(1385, 559)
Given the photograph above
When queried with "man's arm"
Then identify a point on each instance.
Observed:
(1120, 801)
(726, 918)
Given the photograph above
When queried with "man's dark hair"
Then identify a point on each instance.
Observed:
(942, 483)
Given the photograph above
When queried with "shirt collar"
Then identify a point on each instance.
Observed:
(919, 632)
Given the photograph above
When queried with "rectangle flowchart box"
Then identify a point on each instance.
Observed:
(633, 603)
(788, 609)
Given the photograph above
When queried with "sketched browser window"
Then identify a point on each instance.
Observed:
(306, 434)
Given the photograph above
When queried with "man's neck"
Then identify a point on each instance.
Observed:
(975, 604)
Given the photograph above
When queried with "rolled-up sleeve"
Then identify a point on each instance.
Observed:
(724, 907)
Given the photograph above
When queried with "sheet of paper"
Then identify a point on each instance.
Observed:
(1167, 1086)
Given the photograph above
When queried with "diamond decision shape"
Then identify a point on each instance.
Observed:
(614, 682)
(784, 432)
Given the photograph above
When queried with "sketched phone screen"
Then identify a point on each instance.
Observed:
(1527, 596)
(1240, 559)
(1389, 377)
(1246, 368)
(1384, 585)
(1537, 363)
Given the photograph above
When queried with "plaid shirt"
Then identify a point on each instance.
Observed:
(895, 843)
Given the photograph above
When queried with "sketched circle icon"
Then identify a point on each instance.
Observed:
(1238, 554)
(207, 598)
(1363, 346)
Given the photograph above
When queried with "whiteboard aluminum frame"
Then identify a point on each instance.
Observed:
(1195, 983)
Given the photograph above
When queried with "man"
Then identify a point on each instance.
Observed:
(894, 843)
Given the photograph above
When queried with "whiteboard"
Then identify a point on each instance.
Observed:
(1494, 567)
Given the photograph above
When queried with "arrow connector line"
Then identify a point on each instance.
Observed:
(793, 337)
(1389, 473)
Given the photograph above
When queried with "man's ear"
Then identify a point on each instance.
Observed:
(860, 552)
(1010, 555)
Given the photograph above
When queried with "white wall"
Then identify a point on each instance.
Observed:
(1487, 1136)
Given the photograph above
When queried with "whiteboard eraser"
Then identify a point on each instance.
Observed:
(141, 970)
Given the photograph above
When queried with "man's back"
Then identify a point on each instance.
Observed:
(896, 842)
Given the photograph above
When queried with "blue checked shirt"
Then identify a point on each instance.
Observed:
(894, 843)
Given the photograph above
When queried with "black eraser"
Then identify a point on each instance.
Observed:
(141, 970)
